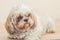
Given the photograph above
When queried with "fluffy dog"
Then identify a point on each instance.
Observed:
(23, 24)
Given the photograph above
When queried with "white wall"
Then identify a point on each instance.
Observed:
(42, 7)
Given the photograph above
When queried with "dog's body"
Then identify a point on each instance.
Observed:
(32, 30)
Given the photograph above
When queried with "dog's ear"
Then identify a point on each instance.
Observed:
(9, 25)
(35, 20)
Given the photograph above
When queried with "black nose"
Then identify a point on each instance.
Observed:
(25, 20)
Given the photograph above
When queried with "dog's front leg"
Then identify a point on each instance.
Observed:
(32, 36)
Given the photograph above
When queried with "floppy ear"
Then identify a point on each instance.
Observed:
(9, 24)
(35, 20)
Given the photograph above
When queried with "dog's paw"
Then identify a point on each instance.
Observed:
(52, 30)
(11, 37)
(15, 38)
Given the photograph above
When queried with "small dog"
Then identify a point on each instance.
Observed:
(22, 24)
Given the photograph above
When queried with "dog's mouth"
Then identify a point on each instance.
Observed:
(23, 28)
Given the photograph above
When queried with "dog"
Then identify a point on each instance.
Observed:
(23, 24)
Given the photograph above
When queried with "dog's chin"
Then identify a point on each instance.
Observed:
(23, 28)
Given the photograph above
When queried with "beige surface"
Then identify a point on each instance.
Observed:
(49, 36)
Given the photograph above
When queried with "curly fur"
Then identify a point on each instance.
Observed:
(41, 25)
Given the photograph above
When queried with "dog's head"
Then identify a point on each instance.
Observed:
(24, 18)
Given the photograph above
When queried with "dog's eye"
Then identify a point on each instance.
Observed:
(19, 18)
(29, 14)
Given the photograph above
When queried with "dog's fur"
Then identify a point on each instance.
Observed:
(31, 30)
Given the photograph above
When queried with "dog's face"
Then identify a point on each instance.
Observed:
(24, 21)
(20, 19)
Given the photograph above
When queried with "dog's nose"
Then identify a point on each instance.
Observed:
(25, 20)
